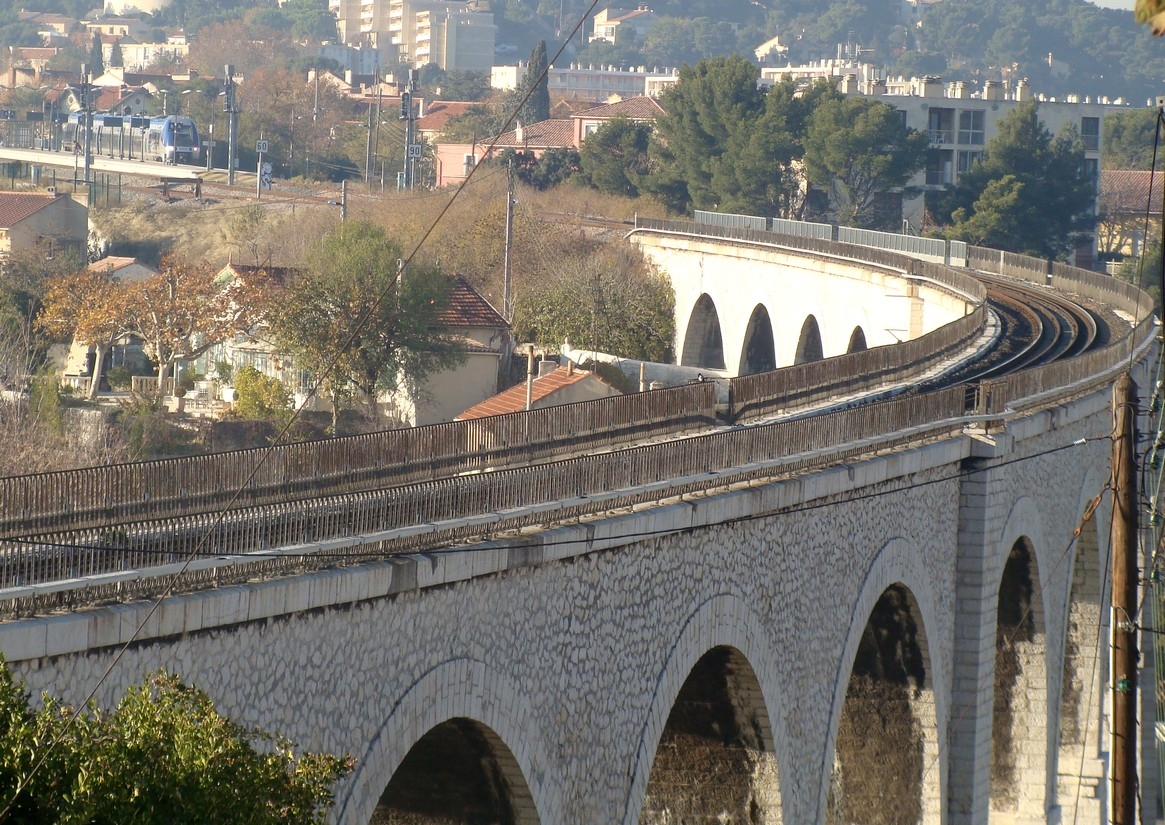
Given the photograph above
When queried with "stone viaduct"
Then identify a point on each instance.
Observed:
(915, 636)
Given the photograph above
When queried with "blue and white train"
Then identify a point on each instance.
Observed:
(170, 139)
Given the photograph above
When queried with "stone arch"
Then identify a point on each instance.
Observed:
(809, 347)
(703, 340)
(893, 589)
(459, 697)
(857, 341)
(759, 353)
(1080, 768)
(1019, 721)
(722, 628)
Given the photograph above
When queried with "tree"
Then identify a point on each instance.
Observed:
(712, 102)
(183, 311)
(83, 306)
(1035, 193)
(861, 151)
(537, 107)
(608, 300)
(354, 321)
(96, 57)
(163, 755)
(614, 157)
(260, 396)
(115, 58)
(1130, 136)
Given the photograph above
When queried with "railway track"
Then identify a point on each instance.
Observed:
(1036, 327)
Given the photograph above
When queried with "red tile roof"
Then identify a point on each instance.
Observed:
(16, 206)
(1127, 191)
(514, 399)
(112, 264)
(467, 308)
(546, 134)
(440, 112)
(635, 108)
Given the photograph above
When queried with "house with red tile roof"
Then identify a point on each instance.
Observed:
(123, 268)
(1129, 203)
(554, 386)
(483, 333)
(31, 219)
(485, 336)
(456, 160)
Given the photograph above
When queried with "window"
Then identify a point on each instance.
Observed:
(1090, 132)
(940, 125)
(967, 160)
(938, 168)
(971, 127)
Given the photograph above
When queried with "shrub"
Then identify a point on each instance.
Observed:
(260, 396)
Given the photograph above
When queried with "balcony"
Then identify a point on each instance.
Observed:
(941, 135)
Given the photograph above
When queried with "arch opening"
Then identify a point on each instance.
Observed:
(857, 341)
(1080, 769)
(760, 350)
(809, 346)
(1019, 720)
(703, 341)
(885, 757)
(459, 773)
(715, 761)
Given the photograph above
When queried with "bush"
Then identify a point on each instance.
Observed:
(260, 396)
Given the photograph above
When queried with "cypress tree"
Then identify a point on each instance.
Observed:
(96, 60)
(538, 105)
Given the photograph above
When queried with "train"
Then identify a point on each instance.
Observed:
(170, 139)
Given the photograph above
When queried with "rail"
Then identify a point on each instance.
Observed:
(435, 513)
(419, 503)
(110, 494)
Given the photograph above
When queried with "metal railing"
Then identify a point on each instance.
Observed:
(110, 494)
(435, 513)
(423, 501)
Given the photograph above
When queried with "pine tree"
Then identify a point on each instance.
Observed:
(537, 106)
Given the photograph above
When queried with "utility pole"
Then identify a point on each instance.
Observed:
(343, 200)
(1124, 603)
(368, 151)
(507, 310)
(232, 112)
(408, 115)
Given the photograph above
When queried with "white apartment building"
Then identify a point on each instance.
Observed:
(590, 82)
(961, 119)
(448, 34)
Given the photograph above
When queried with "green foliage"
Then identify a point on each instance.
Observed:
(260, 396)
(860, 150)
(724, 144)
(45, 400)
(608, 301)
(1031, 189)
(352, 295)
(614, 157)
(163, 755)
(1130, 138)
(537, 107)
(543, 172)
(96, 57)
(1145, 271)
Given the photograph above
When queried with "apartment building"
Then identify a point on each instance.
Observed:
(590, 82)
(961, 119)
(449, 34)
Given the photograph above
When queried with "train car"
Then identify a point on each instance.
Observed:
(171, 139)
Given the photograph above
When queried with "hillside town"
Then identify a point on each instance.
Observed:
(328, 326)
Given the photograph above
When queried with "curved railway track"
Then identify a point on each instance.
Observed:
(1036, 327)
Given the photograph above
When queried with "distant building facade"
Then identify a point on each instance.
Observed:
(588, 82)
(451, 35)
